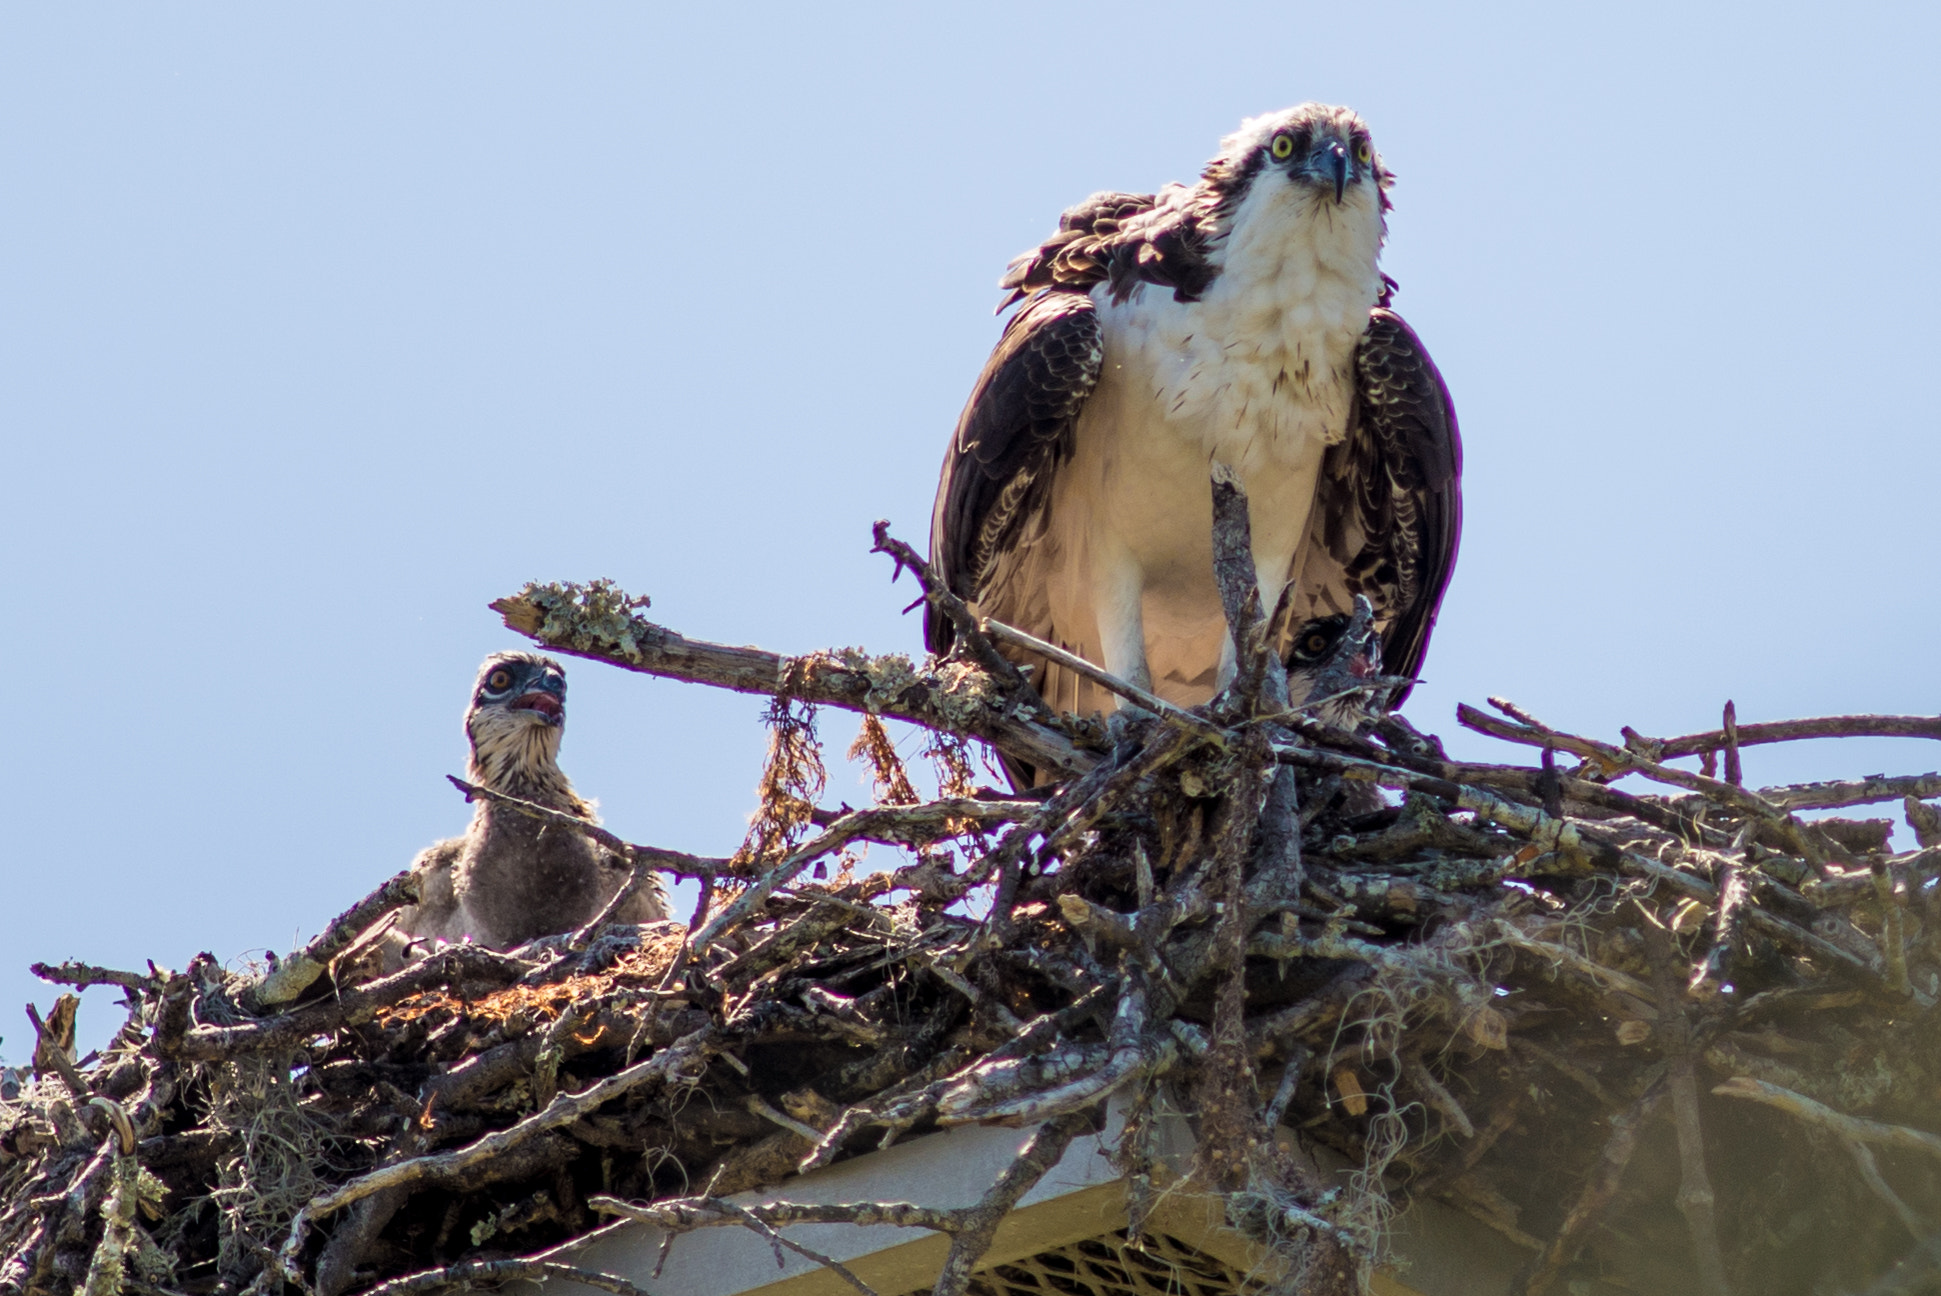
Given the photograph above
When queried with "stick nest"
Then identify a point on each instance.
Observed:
(1678, 1042)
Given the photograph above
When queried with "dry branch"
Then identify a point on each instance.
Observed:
(1753, 735)
(597, 622)
(1818, 1113)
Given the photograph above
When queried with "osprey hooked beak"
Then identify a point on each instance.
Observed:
(1331, 158)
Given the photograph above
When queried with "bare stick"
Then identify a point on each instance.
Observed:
(1867, 791)
(475, 1273)
(1863, 1160)
(1848, 1127)
(1753, 735)
(354, 1006)
(1733, 774)
(1240, 595)
(1618, 760)
(1728, 920)
(1565, 838)
(828, 1262)
(49, 1055)
(978, 1225)
(1599, 1188)
(1105, 679)
(964, 624)
(684, 1214)
(857, 823)
(1696, 1200)
(652, 857)
(83, 975)
(562, 1110)
(1437, 1094)
(296, 973)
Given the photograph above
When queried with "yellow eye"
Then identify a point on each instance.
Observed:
(1315, 643)
(1363, 152)
(499, 680)
(1282, 148)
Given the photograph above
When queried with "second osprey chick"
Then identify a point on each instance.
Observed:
(512, 878)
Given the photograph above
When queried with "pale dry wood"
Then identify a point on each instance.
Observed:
(1104, 679)
(296, 973)
(1857, 1128)
(1752, 735)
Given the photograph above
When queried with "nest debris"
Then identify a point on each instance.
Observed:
(1676, 1042)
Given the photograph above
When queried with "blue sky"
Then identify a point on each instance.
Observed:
(323, 326)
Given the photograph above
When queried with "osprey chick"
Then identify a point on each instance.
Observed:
(1334, 668)
(512, 878)
(1241, 321)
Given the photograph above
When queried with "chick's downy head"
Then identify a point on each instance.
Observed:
(515, 721)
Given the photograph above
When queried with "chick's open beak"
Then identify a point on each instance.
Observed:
(546, 703)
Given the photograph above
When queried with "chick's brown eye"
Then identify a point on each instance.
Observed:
(1282, 148)
(1363, 152)
(498, 680)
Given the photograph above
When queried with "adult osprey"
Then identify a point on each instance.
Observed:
(1243, 321)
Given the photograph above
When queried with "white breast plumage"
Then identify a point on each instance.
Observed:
(1261, 367)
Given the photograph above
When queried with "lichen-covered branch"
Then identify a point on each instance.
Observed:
(598, 621)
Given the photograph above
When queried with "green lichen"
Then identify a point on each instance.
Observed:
(596, 616)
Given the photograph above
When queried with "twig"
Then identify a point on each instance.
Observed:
(1696, 1200)
(51, 1056)
(1568, 840)
(83, 975)
(1893, 947)
(978, 1225)
(966, 629)
(1863, 1160)
(684, 1214)
(352, 1007)
(1598, 974)
(1856, 1128)
(295, 974)
(1438, 1094)
(1753, 735)
(650, 857)
(1733, 774)
(639, 874)
(1712, 972)
(1105, 679)
(1258, 670)
(562, 1110)
(1619, 761)
(1297, 1056)
(855, 824)
(1599, 1188)
(828, 1262)
(472, 1273)
(1867, 791)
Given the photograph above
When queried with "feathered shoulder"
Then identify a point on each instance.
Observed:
(1123, 240)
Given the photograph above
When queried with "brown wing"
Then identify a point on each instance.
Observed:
(1126, 240)
(1017, 426)
(1389, 513)
(1014, 432)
